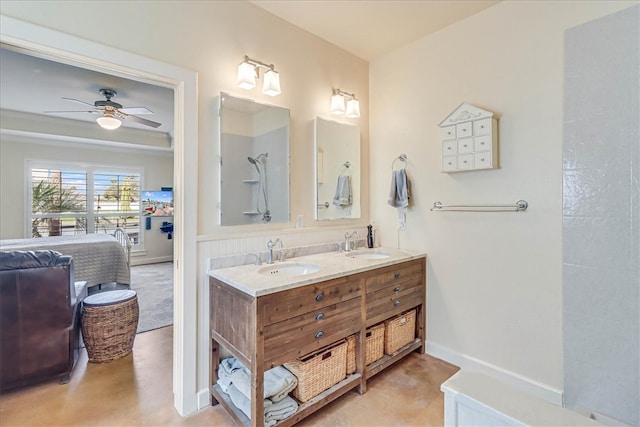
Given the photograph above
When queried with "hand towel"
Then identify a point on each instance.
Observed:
(399, 190)
(343, 191)
(227, 367)
(279, 410)
(273, 412)
(278, 382)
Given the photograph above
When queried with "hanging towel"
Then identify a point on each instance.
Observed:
(343, 191)
(278, 382)
(227, 367)
(400, 189)
(273, 412)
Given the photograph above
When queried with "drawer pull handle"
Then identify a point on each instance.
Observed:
(320, 296)
(396, 275)
(397, 289)
(319, 334)
(320, 316)
(396, 303)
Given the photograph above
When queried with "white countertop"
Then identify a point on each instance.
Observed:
(248, 279)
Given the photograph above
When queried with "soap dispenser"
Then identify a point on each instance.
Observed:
(370, 236)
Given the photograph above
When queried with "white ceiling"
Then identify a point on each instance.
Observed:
(366, 28)
(35, 85)
(370, 28)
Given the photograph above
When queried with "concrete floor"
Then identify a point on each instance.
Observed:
(137, 391)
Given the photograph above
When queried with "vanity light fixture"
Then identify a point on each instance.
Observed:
(248, 73)
(109, 121)
(338, 107)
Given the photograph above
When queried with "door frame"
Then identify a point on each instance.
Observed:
(60, 47)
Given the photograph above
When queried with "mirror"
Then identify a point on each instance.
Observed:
(254, 162)
(337, 170)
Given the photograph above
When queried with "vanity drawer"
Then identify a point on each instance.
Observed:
(464, 130)
(448, 132)
(381, 305)
(284, 305)
(465, 162)
(407, 274)
(465, 146)
(449, 148)
(482, 127)
(310, 331)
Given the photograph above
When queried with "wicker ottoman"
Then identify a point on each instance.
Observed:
(109, 324)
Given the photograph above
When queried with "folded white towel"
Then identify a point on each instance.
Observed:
(273, 412)
(280, 410)
(343, 191)
(278, 382)
(227, 367)
(399, 190)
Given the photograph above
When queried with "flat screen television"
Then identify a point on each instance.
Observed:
(157, 203)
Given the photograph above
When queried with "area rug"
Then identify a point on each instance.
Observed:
(153, 284)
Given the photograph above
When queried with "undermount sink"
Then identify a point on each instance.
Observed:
(290, 269)
(368, 255)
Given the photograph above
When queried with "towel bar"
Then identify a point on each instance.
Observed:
(520, 205)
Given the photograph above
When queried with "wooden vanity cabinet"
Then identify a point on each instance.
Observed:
(266, 331)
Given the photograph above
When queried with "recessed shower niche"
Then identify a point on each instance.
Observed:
(254, 162)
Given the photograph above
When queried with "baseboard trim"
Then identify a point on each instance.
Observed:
(155, 260)
(204, 399)
(520, 382)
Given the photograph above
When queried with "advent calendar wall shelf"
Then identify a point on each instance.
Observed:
(469, 139)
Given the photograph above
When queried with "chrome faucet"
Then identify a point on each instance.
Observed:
(347, 240)
(270, 245)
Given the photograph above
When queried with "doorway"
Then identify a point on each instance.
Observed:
(60, 47)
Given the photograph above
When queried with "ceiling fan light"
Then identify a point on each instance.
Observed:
(108, 122)
(337, 104)
(271, 85)
(353, 108)
(246, 76)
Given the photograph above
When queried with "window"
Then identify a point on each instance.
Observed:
(76, 199)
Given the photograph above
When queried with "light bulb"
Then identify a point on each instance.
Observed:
(337, 104)
(271, 84)
(108, 122)
(353, 108)
(246, 76)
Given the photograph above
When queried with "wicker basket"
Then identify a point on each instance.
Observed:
(109, 330)
(318, 371)
(399, 331)
(374, 347)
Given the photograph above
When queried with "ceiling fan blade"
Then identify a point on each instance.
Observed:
(78, 111)
(140, 120)
(78, 101)
(136, 110)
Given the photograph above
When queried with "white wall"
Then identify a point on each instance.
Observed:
(494, 280)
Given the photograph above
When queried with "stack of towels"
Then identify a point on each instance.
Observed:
(235, 380)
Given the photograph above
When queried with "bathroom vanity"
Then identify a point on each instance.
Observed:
(270, 314)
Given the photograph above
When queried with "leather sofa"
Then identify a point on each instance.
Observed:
(40, 308)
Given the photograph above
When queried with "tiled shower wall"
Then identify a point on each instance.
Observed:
(601, 217)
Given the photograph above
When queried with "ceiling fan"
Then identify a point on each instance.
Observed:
(111, 113)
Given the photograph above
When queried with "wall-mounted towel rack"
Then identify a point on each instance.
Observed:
(520, 205)
(344, 169)
(401, 158)
(324, 205)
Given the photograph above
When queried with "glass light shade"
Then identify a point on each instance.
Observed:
(337, 104)
(271, 84)
(108, 122)
(246, 76)
(353, 108)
